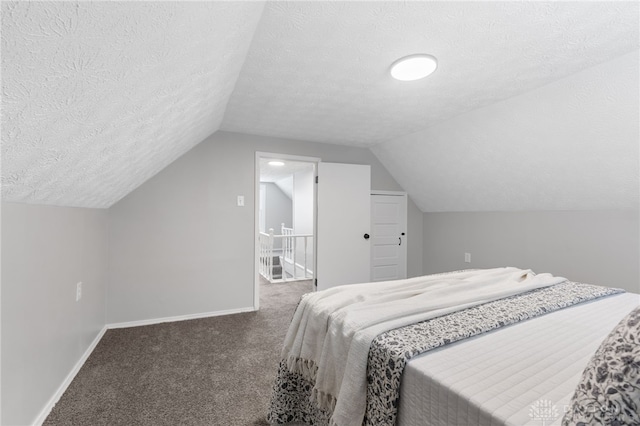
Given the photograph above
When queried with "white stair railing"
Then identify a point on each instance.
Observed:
(295, 258)
(266, 254)
(296, 254)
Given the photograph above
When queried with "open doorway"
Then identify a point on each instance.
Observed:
(285, 219)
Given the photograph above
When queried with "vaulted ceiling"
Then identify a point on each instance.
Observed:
(97, 97)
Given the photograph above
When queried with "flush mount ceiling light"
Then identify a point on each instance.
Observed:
(413, 67)
(276, 163)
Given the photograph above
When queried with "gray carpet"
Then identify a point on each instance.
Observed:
(211, 371)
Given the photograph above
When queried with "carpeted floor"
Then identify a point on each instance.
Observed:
(212, 371)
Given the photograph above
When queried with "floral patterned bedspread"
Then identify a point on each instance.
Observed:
(389, 352)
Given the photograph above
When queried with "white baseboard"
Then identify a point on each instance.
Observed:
(309, 272)
(179, 318)
(298, 267)
(67, 381)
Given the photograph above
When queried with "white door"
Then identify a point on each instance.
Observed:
(388, 237)
(343, 221)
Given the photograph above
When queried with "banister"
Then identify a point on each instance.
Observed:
(289, 257)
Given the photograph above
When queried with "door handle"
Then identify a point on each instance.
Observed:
(399, 241)
(366, 236)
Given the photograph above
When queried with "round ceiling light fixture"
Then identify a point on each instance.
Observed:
(276, 163)
(413, 67)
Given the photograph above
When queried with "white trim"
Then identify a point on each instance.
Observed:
(398, 193)
(67, 381)
(178, 318)
(256, 232)
(300, 267)
(260, 154)
(405, 205)
(72, 374)
(256, 214)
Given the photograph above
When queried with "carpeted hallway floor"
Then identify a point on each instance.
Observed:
(212, 371)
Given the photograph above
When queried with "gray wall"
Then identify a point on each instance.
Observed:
(179, 244)
(278, 210)
(415, 239)
(597, 247)
(303, 202)
(45, 251)
(303, 214)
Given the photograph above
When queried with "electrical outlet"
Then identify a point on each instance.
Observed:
(78, 291)
(467, 257)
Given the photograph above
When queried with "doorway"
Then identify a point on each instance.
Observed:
(285, 219)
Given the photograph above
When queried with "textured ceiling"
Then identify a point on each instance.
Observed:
(97, 97)
(573, 144)
(282, 176)
(320, 71)
(270, 173)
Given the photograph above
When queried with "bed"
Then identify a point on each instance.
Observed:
(519, 375)
(511, 358)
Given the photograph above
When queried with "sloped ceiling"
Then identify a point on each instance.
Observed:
(573, 144)
(320, 71)
(100, 96)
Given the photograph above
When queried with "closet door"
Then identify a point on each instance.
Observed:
(388, 237)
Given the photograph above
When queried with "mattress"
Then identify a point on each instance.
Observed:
(524, 374)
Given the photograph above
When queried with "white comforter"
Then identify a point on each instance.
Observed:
(330, 334)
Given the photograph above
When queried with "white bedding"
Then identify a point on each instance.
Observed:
(498, 378)
(336, 341)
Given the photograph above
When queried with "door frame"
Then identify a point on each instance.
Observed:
(404, 195)
(256, 213)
